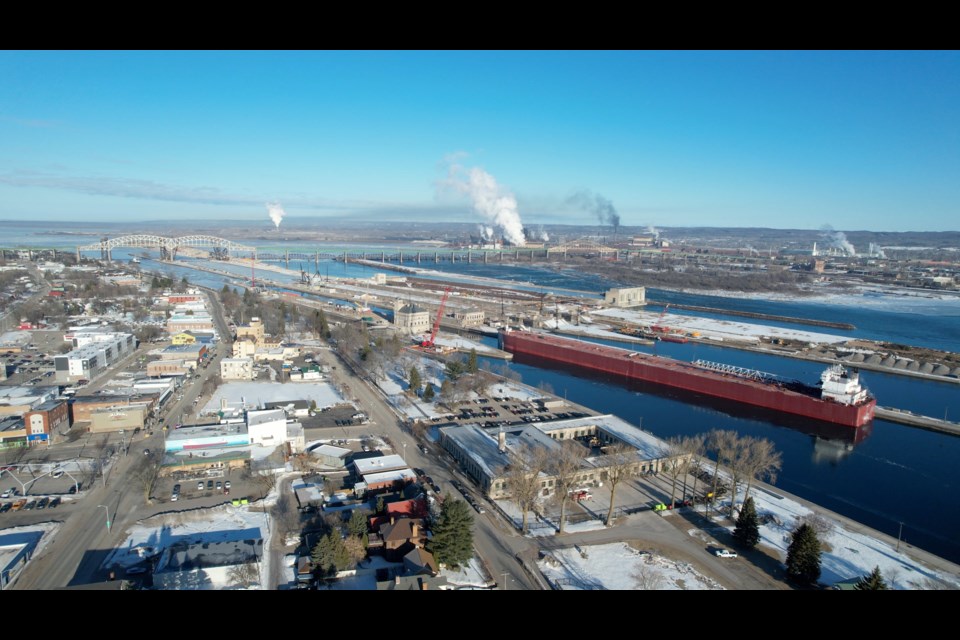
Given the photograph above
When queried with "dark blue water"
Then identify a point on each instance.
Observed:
(881, 475)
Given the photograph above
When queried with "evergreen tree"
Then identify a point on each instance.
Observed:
(747, 531)
(357, 524)
(452, 541)
(455, 369)
(415, 381)
(803, 556)
(472, 366)
(381, 506)
(428, 392)
(331, 555)
(872, 582)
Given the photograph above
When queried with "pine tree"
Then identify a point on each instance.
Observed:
(415, 381)
(357, 524)
(472, 366)
(452, 541)
(381, 505)
(331, 555)
(872, 582)
(803, 556)
(428, 392)
(747, 531)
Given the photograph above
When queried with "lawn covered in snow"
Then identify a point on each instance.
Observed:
(617, 566)
(848, 554)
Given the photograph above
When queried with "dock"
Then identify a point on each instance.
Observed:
(909, 418)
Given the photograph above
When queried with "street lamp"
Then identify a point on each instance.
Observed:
(107, 509)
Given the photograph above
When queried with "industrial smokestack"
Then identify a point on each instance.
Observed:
(276, 213)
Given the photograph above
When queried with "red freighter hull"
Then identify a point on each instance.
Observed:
(681, 375)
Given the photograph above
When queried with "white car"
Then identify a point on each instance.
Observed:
(725, 553)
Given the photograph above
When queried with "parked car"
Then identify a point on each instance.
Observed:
(226, 485)
(725, 553)
(75, 487)
(200, 485)
(42, 503)
(209, 484)
(30, 505)
(54, 503)
(219, 485)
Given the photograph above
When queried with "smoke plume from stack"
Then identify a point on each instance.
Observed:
(276, 213)
(653, 231)
(598, 205)
(497, 205)
(837, 240)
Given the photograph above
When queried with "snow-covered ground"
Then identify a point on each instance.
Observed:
(459, 342)
(850, 554)
(28, 535)
(617, 566)
(712, 328)
(217, 524)
(21, 338)
(252, 394)
(470, 575)
(875, 296)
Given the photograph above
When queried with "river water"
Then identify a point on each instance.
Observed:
(883, 475)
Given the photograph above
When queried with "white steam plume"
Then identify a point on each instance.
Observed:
(497, 205)
(838, 240)
(276, 213)
(653, 231)
(486, 232)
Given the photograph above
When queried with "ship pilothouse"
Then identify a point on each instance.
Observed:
(839, 385)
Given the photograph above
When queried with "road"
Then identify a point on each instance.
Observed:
(496, 542)
(83, 542)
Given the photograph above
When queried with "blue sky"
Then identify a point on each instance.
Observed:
(857, 140)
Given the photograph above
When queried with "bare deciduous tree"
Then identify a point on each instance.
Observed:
(696, 447)
(566, 467)
(761, 462)
(244, 575)
(674, 462)
(621, 462)
(355, 548)
(523, 479)
(646, 578)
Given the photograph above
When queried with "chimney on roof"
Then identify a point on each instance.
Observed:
(502, 441)
(415, 529)
(423, 585)
(393, 520)
(396, 579)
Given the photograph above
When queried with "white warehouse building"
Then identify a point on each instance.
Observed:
(91, 359)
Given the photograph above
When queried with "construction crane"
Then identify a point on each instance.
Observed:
(436, 324)
(659, 328)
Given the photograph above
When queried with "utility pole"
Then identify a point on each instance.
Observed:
(899, 536)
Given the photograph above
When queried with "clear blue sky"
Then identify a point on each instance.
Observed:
(855, 140)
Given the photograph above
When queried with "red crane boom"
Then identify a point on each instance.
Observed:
(657, 326)
(436, 323)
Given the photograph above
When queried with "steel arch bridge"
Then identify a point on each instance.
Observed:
(167, 246)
